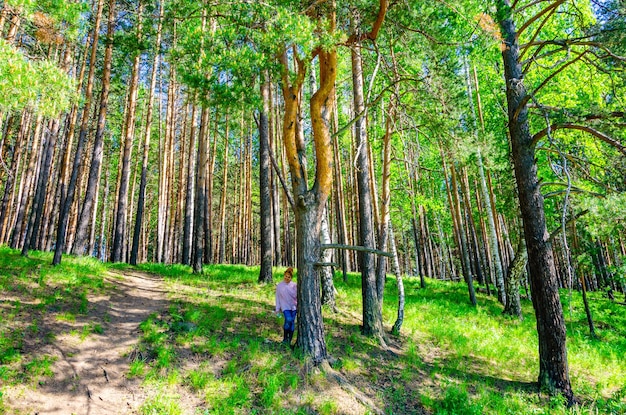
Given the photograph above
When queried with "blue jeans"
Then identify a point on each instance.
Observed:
(290, 320)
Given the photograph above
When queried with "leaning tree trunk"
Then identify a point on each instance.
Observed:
(553, 367)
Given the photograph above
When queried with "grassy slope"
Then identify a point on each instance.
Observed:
(218, 346)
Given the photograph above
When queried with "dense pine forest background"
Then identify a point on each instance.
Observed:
(475, 142)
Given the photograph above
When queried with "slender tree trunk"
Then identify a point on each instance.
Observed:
(88, 208)
(67, 197)
(37, 207)
(29, 181)
(489, 208)
(464, 254)
(396, 270)
(146, 140)
(553, 367)
(372, 310)
(265, 205)
(13, 171)
(342, 230)
(326, 273)
(189, 193)
(385, 216)
(200, 193)
(117, 249)
(221, 237)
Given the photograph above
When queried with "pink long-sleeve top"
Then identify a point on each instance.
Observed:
(286, 296)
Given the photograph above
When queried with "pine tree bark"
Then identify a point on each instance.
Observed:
(515, 273)
(200, 193)
(553, 367)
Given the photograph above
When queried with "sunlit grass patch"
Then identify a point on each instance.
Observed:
(160, 404)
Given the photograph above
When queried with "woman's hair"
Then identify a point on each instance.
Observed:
(289, 271)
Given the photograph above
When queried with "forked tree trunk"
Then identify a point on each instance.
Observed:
(553, 367)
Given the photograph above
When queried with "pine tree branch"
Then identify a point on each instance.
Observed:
(570, 126)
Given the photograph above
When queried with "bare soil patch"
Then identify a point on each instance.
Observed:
(89, 368)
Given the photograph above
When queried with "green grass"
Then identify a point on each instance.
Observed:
(31, 289)
(219, 342)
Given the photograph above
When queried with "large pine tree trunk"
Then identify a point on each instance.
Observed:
(265, 273)
(309, 322)
(553, 368)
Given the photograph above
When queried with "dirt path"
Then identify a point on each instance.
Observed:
(90, 371)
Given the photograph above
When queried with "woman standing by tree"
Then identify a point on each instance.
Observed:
(286, 302)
